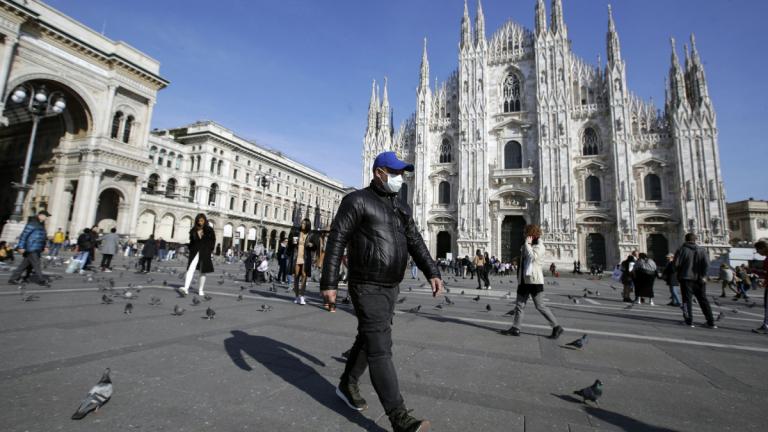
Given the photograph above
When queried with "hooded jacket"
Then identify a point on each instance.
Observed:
(379, 234)
(691, 262)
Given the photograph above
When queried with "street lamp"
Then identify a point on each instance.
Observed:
(40, 104)
(264, 181)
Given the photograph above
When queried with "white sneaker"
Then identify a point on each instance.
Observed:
(302, 301)
(651, 303)
(489, 288)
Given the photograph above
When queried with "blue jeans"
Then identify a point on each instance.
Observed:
(55, 249)
(414, 271)
(674, 290)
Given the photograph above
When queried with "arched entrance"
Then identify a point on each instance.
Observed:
(49, 189)
(595, 250)
(108, 209)
(166, 227)
(657, 247)
(512, 237)
(443, 244)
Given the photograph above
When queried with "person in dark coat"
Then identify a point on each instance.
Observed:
(202, 240)
(148, 253)
(644, 275)
(250, 265)
(692, 263)
(301, 245)
(669, 275)
(282, 261)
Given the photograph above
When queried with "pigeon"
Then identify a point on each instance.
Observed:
(487, 308)
(462, 292)
(447, 290)
(439, 306)
(33, 297)
(415, 309)
(210, 313)
(154, 301)
(346, 353)
(97, 396)
(477, 299)
(106, 300)
(613, 288)
(207, 297)
(576, 301)
(240, 297)
(128, 308)
(401, 300)
(448, 300)
(195, 301)
(242, 287)
(720, 316)
(266, 308)
(410, 289)
(751, 305)
(597, 293)
(165, 283)
(221, 282)
(177, 311)
(591, 393)
(578, 343)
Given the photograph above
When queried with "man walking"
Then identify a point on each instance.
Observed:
(31, 245)
(162, 250)
(379, 233)
(691, 263)
(110, 244)
(58, 240)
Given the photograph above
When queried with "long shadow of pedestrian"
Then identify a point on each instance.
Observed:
(627, 423)
(285, 361)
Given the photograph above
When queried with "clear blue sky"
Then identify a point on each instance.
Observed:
(296, 74)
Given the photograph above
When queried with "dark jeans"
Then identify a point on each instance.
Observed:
(482, 276)
(91, 256)
(282, 274)
(146, 263)
(374, 307)
(106, 261)
(699, 290)
(31, 260)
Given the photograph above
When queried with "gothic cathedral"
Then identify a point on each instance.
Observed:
(524, 131)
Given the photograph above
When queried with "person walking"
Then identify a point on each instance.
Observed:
(762, 249)
(414, 270)
(727, 278)
(58, 241)
(626, 277)
(742, 282)
(202, 239)
(84, 246)
(94, 234)
(482, 276)
(669, 275)
(110, 245)
(531, 282)
(31, 245)
(282, 261)
(302, 243)
(162, 251)
(380, 233)
(643, 276)
(691, 263)
(148, 252)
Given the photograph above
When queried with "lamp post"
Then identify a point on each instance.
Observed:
(40, 104)
(264, 181)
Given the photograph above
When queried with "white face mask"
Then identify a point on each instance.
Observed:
(394, 182)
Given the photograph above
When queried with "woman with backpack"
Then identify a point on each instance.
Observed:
(644, 275)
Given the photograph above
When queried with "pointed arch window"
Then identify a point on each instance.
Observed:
(232, 203)
(513, 155)
(592, 192)
(512, 94)
(245, 206)
(590, 142)
(652, 186)
(445, 151)
(127, 129)
(444, 193)
(116, 120)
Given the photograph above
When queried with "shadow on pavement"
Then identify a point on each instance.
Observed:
(285, 361)
(627, 423)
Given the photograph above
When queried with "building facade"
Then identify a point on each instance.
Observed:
(98, 163)
(748, 221)
(524, 131)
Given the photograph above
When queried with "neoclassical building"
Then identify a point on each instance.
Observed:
(98, 162)
(525, 131)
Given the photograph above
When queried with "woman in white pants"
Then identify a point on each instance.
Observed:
(202, 240)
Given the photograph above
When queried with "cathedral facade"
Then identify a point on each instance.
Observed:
(524, 131)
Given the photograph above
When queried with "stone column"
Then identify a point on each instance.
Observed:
(106, 124)
(90, 216)
(123, 224)
(9, 52)
(134, 210)
(83, 202)
(59, 202)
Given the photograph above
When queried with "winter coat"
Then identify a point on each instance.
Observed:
(150, 248)
(379, 234)
(203, 246)
(644, 275)
(84, 242)
(33, 237)
(670, 274)
(533, 254)
(691, 262)
(293, 248)
(110, 244)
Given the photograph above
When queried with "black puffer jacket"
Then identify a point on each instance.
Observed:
(691, 262)
(379, 234)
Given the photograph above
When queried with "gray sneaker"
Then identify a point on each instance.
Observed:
(350, 394)
(403, 421)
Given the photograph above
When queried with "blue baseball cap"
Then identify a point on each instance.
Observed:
(389, 160)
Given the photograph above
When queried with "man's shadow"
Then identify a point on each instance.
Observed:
(286, 362)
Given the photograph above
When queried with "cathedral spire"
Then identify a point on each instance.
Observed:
(676, 80)
(373, 109)
(557, 20)
(612, 38)
(424, 75)
(697, 76)
(541, 17)
(479, 24)
(385, 102)
(466, 28)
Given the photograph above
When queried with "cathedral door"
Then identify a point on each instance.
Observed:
(595, 250)
(658, 247)
(443, 244)
(512, 237)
